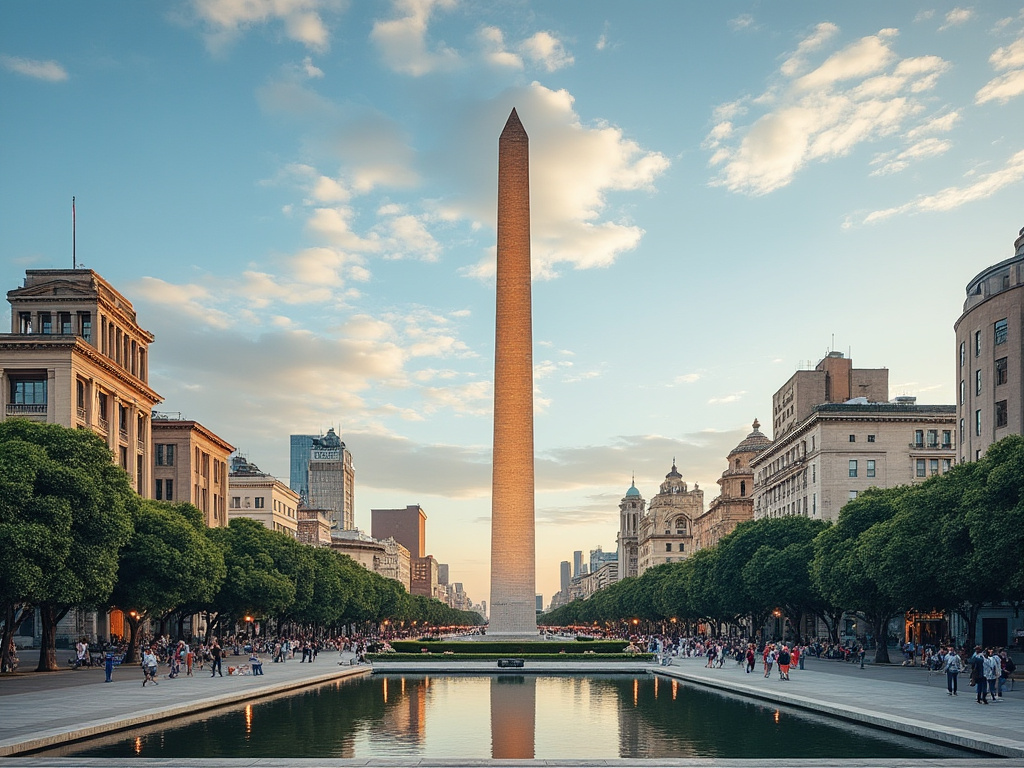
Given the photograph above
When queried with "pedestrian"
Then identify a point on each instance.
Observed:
(796, 655)
(1008, 668)
(977, 662)
(992, 671)
(149, 667)
(108, 666)
(784, 661)
(189, 660)
(769, 660)
(751, 658)
(215, 653)
(953, 665)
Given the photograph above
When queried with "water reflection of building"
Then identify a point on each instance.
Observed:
(405, 717)
(513, 717)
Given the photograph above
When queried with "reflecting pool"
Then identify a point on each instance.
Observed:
(508, 716)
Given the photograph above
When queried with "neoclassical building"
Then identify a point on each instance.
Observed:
(665, 530)
(735, 503)
(631, 508)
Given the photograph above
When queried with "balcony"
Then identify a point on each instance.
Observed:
(81, 413)
(931, 446)
(26, 410)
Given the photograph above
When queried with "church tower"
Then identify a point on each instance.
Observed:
(631, 509)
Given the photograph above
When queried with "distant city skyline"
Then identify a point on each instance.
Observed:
(298, 197)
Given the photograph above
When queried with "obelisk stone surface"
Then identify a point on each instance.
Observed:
(513, 580)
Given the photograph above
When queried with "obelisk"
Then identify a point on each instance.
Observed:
(513, 580)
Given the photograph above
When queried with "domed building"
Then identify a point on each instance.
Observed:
(735, 504)
(631, 509)
(665, 532)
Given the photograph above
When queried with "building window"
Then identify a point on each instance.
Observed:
(933, 466)
(933, 438)
(45, 322)
(919, 438)
(961, 431)
(963, 391)
(853, 438)
(871, 438)
(85, 324)
(65, 323)
(853, 495)
(814, 503)
(1001, 372)
(234, 502)
(668, 546)
(24, 392)
(743, 487)
(871, 468)
(1000, 332)
(946, 465)
(853, 467)
(258, 502)
(947, 438)
(920, 468)
(977, 382)
(24, 322)
(159, 495)
(963, 353)
(977, 343)
(977, 423)
(1001, 418)
(814, 473)
(124, 458)
(169, 488)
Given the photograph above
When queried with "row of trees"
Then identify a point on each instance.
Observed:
(953, 543)
(74, 535)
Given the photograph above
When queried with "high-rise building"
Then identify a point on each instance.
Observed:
(331, 480)
(666, 529)
(990, 357)
(190, 463)
(298, 464)
(831, 451)
(599, 557)
(577, 563)
(564, 576)
(631, 509)
(408, 526)
(76, 356)
(735, 504)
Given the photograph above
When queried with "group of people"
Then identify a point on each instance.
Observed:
(989, 671)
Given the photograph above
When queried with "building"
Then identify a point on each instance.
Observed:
(298, 464)
(599, 557)
(735, 503)
(989, 359)
(631, 509)
(262, 497)
(442, 574)
(831, 451)
(190, 463)
(76, 356)
(577, 563)
(396, 563)
(665, 530)
(564, 575)
(329, 478)
(408, 527)
(423, 579)
(365, 550)
(313, 526)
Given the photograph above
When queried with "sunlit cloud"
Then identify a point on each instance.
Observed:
(957, 17)
(546, 50)
(402, 41)
(818, 112)
(1010, 84)
(302, 20)
(48, 70)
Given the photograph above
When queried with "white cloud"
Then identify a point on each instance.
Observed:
(546, 50)
(947, 199)
(310, 69)
(1009, 84)
(862, 93)
(730, 398)
(48, 70)
(402, 41)
(939, 124)
(743, 21)
(956, 17)
(895, 162)
(687, 378)
(574, 168)
(495, 52)
(302, 19)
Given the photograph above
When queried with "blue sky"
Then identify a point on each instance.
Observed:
(299, 198)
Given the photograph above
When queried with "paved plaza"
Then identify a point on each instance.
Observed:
(38, 710)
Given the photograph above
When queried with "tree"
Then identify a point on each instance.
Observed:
(71, 487)
(168, 562)
(843, 554)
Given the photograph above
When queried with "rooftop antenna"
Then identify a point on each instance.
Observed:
(74, 225)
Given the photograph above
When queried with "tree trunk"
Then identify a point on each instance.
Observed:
(13, 617)
(49, 615)
(133, 632)
(969, 613)
(880, 628)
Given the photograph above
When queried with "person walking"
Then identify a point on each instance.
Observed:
(108, 666)
(751, 658)
(977, 662)
(784, 661)
(1008, 668)
(215, 653)
(992, 671)
(953, 665)
(769, 660)
(149, 667)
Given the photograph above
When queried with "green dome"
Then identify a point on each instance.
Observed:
(632, 491)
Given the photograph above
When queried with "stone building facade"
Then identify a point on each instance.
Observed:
(262, 497)
(76, 356)
(190, 463)
(631, 509)
(990, 357)
(665, 531)
(735, 503)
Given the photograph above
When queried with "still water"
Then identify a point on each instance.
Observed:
(508, 716)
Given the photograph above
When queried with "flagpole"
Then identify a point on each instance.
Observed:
(74, 256)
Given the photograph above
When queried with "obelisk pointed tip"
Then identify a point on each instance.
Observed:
(513, 127)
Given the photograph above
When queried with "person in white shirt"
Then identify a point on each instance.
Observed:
(953, 666)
